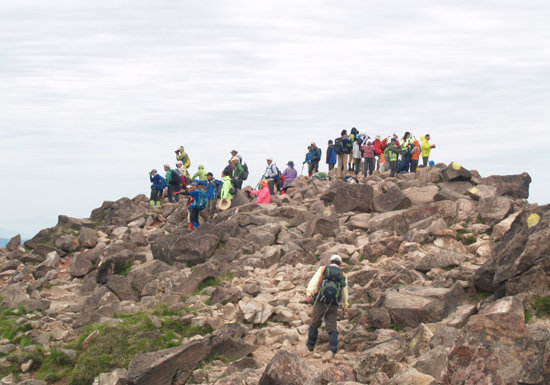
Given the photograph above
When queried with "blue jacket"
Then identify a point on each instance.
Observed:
(212, 187)
(331, 154)
(308, 158)
(315, 154)
(196, 197)
(157, 181)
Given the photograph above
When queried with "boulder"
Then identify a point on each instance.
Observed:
(353, 197)
(42, 237)
(67, 243)
(482, 191)
(121, 287)
(74, 223)
(254, 311)
(524, 246)
(421, 195)
(337, 374)
(446, 194)
(202, 273)
(495, 347)
(386, 246)
(389, 197)
(441, 260)
(494, 210)
(455, 172)
(325, 223)
(383, 358)
(87, 237)
(412, 305)
(284, 369)
(115, 377)
(14, 243)
(185, 247)
(412, 376)
(80, 265)
(118, 213)
(515, 186)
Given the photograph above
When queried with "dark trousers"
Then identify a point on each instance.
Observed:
(171, 193)
(413, 165)
(271, 186)
(369, 166)
(425, 161)
(194, 216)
(330, 166)
(356, 165)
(156, 195)
(328, 312)
(313, 166)
(393, 167)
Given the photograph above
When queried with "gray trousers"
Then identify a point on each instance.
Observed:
(328, 312)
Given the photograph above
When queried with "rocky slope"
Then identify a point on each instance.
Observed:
(444, 269)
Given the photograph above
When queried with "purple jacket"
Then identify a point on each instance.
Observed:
(290, 174)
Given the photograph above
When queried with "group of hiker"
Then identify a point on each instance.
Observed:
(359, 153)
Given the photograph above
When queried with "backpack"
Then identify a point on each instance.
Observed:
(330, 290)
(387, 153)
(339, 145)
(244, 176)
(175, 180)
(202, 201)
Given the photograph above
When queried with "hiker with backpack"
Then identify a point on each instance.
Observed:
(341, 146)
(390, 154)
(315, 158)
(181, 172)
(264, 196)
(172, 182)
(228, 190)
(197, 202)
(213, 188)
(272, 175)
(238, 172)
(327, 289)
(368, 156)
(157, 187)
(331, 155)
(415, 155)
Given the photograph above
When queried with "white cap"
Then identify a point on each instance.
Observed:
(269, 158)
(336, 259)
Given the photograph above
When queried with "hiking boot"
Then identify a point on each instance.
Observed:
(311, 338)
(309, 347)
(190, 226)
(333, 342)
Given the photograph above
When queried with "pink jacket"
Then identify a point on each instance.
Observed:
(263, 195)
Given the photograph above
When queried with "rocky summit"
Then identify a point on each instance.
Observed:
(448, 276)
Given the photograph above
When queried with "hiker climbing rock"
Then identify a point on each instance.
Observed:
(157, 187)
(327, 289)
(263, 193)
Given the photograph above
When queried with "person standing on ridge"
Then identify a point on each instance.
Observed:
(415, 155)
(390, 154)
(157, 187)
(200, 174)
(315, 158)
(213, 186)
(426, 148)
(328, 288)
(331, 155)
(271, 175)
(341, 145)
(171, 182)
(227, 185)
(368, 153)
(377, 151)
(197, 202)
(182, 156)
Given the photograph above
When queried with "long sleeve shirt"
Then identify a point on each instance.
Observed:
(264, 196)
(315, 282)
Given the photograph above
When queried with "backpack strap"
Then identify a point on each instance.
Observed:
(321, 279)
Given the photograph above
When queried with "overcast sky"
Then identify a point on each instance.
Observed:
(93, 94)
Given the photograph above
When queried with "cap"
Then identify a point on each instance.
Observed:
(290, 163)
(269, 158)
(234, 151)
(166, 165)
(179, 162)
(393, 139)
(377, 137)
(336, 259)
(154, 170)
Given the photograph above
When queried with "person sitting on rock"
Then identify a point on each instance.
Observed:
(264, 196)
(327, 289)
(157, 187)
(290, 175)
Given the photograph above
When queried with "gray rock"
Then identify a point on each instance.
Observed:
(421, 195)
(442, 260)
(383, 358)
(353, 197)
(87, 237)
(118, 213)
(494, 210)
(389, 197)
(433, 362)
(515, 186)
(284, 369)
(121, 287)
(455, 172)
(67, 243)
(14, 243)
(185, 247)
(80, 265)
(325, 223)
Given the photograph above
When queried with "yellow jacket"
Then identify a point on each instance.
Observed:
(425, 146)
(315, 282)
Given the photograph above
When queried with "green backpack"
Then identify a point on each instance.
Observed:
(330, 290)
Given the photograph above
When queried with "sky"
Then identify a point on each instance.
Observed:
(96, 93)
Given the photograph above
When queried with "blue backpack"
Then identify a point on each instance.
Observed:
(202, 201)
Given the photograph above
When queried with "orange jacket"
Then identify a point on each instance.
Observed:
(416, 155)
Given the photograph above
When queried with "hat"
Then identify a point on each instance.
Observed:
(166, 165)
(154, 170)
(223, 204)
(336, 259)
(290, 163)
(393, 139)
(377, 137)
(269, 158)
(234, 151)
(179, 162)
(194, 184)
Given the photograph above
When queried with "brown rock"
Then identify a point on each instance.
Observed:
(284, 369)
(515, 186)
(14, 243)
(389, 197)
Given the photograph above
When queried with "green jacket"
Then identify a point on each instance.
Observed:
(425, 146)
(238, 172)
(168, 176)
(184, 159)
(392, 150)
(226, 187)
(200, 174)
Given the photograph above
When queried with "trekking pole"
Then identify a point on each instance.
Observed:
(302, 170)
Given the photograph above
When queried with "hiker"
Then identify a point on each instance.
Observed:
(238, 172)
(331, 155)
(182, 156)
(264, 196)
(213, 187)
(197, 202)
(307, 160)
(390, 154)
(271, 174)
(368, 154)
(181, 171)
(171, 182)
(227, 186)
(327, 289)
(426, 148)
(315, 158)
(352, 136)
(357, 155)
(415, 155)
(200, 174)
(157, 187)
(377, 151)
(341, 148)
(290, 175)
